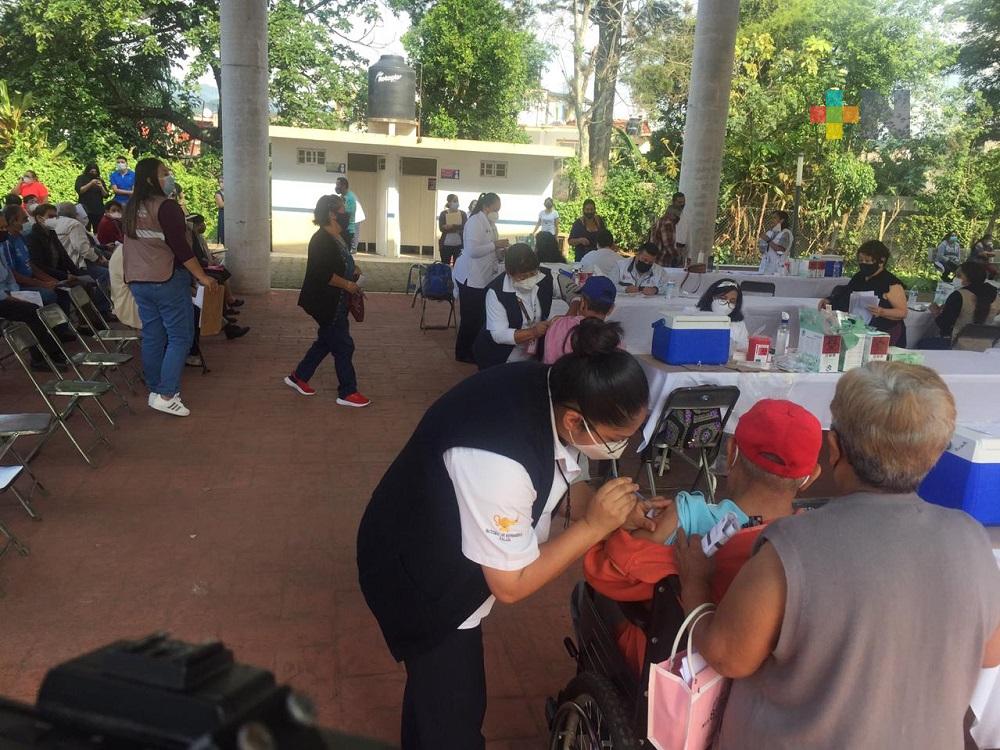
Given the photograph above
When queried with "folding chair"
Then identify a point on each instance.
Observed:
(418, 269)
(119, 339)
(13, 426)
(677, 433)
(568, 288)
(20, 338)
(9, 475)
(52, 316)
(977, 338)
(758, 288)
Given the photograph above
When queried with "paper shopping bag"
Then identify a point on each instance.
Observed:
(683, 716)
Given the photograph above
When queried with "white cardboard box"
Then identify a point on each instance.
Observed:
(876, 347)
(824, 348)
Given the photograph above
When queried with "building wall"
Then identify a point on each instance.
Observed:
(295, 189)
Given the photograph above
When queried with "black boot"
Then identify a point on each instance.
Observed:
(234, 331)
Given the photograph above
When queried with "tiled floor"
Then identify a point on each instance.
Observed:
(239, 523)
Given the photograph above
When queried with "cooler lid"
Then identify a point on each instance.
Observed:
(703, 321)
(978, 443)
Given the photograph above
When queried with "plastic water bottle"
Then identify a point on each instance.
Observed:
(781, 341)
(911, 300)
(671, 289)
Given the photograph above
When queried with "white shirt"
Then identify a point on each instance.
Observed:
(73, 237)
(498, 324)
(496, 514)
(773, 262)
(655, 276)
(602, 259)
(549, 221)
(739, 338)
(479, 263)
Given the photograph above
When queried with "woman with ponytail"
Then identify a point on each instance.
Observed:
(462, 517)
(477, 266)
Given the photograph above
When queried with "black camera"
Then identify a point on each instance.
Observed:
(160, 694)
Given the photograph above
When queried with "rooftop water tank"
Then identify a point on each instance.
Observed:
(392, 90)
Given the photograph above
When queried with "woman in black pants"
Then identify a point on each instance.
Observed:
(330, 278)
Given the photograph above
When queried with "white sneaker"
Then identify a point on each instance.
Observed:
(150, 399)
(169, 405)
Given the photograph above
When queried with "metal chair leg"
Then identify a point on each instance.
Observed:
(12, 541)
(650, 475)
(25, 503)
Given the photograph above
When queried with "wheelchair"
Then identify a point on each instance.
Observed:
(604, 706)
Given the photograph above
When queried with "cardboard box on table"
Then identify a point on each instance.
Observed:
(876, 347)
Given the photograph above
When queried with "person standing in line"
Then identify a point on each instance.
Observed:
(122, 180)
(450, 242)
(775, 245)
(663, 235)
(158, 266)
(476, 267)
(220, 206)
(29, 184)
(548, 220)
(93, 191)
(330, 277)
(348, 224)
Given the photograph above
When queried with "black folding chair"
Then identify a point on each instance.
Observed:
(758, 288)
(52, 316)
(21, 340)
(108, 338)
(977, 337)
(693, 421)
(13, 426)
(9, 475)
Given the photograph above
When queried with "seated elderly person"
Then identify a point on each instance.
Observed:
(772, 458)
(863, 624)
(72, 233)
(196, 237)
(641, 274)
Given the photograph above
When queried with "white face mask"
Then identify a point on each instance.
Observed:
(526, 285)
(51, 223)
(115, 216)
(122, 166)
(493, 216)
(599, 450)
(452, 205)
(722, 307)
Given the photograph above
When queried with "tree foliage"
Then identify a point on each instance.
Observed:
(477, 67)
(979, 54)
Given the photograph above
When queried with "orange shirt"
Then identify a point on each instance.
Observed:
(35, 188)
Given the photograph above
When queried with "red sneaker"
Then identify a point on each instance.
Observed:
(302, 386)
(355, 399)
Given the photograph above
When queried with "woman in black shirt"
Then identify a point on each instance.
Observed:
(583, 234)
(330, 278)
(872, 276)
(93, 191)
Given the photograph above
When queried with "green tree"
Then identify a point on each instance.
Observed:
(979, 54)
(478, 67)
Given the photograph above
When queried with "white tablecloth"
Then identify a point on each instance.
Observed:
(974, 380)
(762, 314)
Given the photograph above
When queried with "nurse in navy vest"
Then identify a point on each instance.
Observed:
(518, 303)
(461, 518)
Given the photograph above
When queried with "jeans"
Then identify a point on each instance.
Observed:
(333, 339)
(167, 315)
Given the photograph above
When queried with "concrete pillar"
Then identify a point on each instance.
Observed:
(392, 232)
(245, 143)
(705, 126)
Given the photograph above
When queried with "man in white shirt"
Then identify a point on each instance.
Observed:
(603, 260)
(73, 236)
(641, 274)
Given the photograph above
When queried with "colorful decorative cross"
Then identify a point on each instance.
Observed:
(834, 114)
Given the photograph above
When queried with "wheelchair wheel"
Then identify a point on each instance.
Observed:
(591, 717)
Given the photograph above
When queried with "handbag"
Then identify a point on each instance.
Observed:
(683, 716)
(356, 306)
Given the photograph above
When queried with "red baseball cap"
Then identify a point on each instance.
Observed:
(780, 437)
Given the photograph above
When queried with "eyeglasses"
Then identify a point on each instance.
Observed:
(611, 447)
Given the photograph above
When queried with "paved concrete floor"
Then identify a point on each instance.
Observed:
(239, 523)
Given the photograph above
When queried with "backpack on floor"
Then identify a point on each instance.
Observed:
(437, 283)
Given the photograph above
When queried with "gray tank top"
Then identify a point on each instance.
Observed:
(890, 603)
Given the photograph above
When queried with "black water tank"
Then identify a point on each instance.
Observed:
(392, 90)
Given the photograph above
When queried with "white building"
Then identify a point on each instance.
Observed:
(402, 182)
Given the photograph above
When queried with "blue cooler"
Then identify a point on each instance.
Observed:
(692, 339)
(967, 476)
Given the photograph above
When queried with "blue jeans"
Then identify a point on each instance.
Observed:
(333, 339)
(167, 315)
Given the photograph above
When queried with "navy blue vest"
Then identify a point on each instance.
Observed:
(487, 352)
(413, 574)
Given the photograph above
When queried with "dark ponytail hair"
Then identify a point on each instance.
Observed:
(976, 274)
(717, 289)
(147, 185)
(484, 200)
(604, 383)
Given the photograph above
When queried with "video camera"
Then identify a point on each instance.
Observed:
(161, 694)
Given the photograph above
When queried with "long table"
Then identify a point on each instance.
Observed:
(762, 314)
(973, 377)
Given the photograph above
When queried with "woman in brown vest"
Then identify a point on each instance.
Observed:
(159, 265)
(975, 301)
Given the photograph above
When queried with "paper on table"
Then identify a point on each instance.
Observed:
(199, 297)
(34, 298)
(860, 302)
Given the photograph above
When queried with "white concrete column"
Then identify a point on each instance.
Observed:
(392, 233)
(245, 143)
(705, 126)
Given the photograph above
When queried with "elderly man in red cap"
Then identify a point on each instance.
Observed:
(773, 456)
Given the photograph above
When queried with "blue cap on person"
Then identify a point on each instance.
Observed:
(599, 289)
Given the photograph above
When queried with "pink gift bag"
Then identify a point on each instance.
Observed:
(684, 716)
